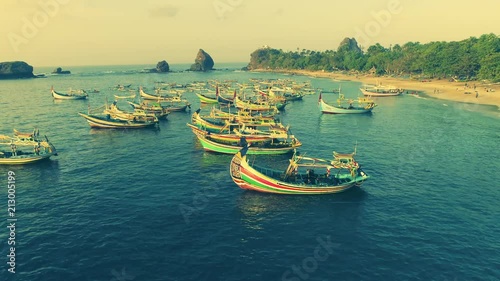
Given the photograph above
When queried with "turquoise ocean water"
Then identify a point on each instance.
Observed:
(151, 205)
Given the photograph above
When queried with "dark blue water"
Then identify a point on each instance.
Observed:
(151, 205)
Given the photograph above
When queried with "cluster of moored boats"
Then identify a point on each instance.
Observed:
(360, 105)
(246, 123)
(148, 110)
(238, 119)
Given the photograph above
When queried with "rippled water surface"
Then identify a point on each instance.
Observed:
(151, 205)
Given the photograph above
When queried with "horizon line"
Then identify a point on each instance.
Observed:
(126, 64)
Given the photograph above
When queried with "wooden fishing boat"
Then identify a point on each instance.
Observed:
(137, 115)
(240, 130)
(124, 97)
(381, 91)
(150, 108)
(245, 116)
(229, 123)
(214, 125)
(147, 96)
(106, 122)
(176, 107)
(235, 137)
(170, 102)
(206, 99)
(293, 96)
(333, 91)
(271, 98)
(175, 104)
(344, 106)
(245, 105)
(262, 149)
(78, 95)
(223, 100)
(25, 148)
(300, 177)
(122, 87)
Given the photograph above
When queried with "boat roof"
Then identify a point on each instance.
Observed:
(337, 155)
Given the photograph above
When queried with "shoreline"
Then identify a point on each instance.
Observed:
(439, 89)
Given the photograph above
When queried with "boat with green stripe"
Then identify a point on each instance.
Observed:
(235, 137)
(320, 176)
(268, 148)
(206, 99)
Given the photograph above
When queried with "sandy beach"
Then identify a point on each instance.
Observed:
(441, 89)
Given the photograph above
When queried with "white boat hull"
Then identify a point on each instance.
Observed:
(379, 94)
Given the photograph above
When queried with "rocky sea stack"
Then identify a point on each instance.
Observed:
(60, 71)
(203, 62)
(15, 70)
(162, 66)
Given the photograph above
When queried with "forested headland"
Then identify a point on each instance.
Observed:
(469, 59)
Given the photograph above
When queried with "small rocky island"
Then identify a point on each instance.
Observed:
(15, 70)
(60, 71)
(203, 62)
(161, 67)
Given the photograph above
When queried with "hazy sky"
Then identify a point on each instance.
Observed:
(105, 32)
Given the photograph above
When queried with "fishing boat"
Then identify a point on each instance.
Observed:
(137, 115)
(242, 115)
(107, 122)
(150, 108)
(147, 96)
(293, 96)
(235, 136)
(281, 95)
(214, 125)
(381, 91)
(124, 97)
(249, 106)
(270, 98)
(72, 95)
(219, 124)
(344, 106)
(122, 87)
(25, 148)
(223, 100)
(304, 175)
(206, 99)
(174, 104)
(275, 146)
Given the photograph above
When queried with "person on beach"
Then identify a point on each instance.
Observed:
(477, 94)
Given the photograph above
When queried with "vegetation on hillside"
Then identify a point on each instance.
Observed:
(473, 58)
